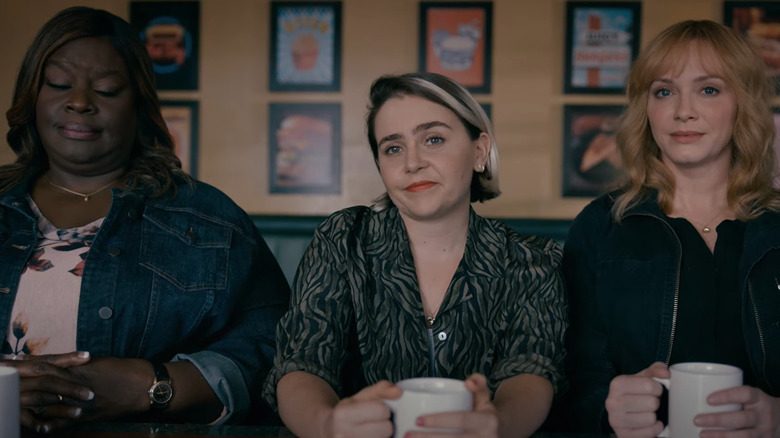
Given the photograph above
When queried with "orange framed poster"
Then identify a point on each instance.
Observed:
(456, 41)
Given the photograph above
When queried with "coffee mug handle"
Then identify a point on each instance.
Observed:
(666, 383)
(392, 404)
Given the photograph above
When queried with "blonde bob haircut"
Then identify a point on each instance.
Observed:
(449, 94)
(733, 58)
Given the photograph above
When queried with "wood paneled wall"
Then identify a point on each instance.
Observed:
(379, 36)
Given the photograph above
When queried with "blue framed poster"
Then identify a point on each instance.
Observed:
(170, 31)
(305, 46)
(602, 40)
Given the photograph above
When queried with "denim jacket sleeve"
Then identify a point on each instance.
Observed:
(236, 363)
(187, 278)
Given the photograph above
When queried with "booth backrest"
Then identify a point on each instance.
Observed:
(289, 236)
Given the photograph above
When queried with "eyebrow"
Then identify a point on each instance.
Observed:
(419, 128)
(697, 79)
(100, 73)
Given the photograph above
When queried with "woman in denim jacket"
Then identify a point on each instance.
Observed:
(126, 287)
(681, 264)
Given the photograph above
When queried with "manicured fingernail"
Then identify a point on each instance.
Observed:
(87, 395)
(420, 421)
(77, 413)
(43, 428)
(83, 354)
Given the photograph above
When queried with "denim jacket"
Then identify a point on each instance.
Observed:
(623, 280)
(167, 279)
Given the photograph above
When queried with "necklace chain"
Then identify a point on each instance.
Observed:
(86, 196)
(706, 228)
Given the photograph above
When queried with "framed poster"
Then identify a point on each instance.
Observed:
(304, 147)
(591, 163)
(305, 46)
(760, 22)
(171, 32)
(181, 116)
(602, 40)
(456, 41)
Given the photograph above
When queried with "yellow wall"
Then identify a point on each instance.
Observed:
(379, 36)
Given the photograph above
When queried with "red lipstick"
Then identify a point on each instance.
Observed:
(419, 186)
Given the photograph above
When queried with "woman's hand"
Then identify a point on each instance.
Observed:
(633, 400)
(364, 414)
(759, 417)
(482, 421)
(45, 382)
(120, 386)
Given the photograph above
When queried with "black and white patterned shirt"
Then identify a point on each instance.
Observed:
(356, 296)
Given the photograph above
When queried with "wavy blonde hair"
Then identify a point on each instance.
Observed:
(750, 190)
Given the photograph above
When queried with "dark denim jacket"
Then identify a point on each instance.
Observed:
(622, 280)
(167, 279)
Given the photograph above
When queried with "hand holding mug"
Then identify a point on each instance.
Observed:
(364, 414)
(760, 414)
(633, 400)
(430, 395)
(482, 421)
(690, 386)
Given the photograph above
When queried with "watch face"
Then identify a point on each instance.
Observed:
(162, 392)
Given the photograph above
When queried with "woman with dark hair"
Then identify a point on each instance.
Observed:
(420, 285)
(681, 263)
(127, 289)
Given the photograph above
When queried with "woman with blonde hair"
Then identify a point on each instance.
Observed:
(422, 286)
(680, 264)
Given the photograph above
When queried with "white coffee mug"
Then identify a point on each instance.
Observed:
(9, 402)
(427, 395)
(689, 386)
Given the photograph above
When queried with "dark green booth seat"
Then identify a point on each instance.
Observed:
(288, 236)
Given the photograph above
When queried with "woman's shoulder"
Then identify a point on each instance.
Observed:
(203, 200)
(520, 246)
(350, 221)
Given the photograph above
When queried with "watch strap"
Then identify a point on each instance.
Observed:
(160, 372)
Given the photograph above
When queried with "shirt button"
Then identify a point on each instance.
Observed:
(114, 251)
(105, 312)
(442, 336)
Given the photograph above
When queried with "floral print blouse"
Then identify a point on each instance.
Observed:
(45, 312)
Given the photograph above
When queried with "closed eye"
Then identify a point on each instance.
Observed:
(57, 86)
(106, 93)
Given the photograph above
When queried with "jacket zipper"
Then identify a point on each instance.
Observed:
(676, 287)
(429, 320)
(760, 334)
